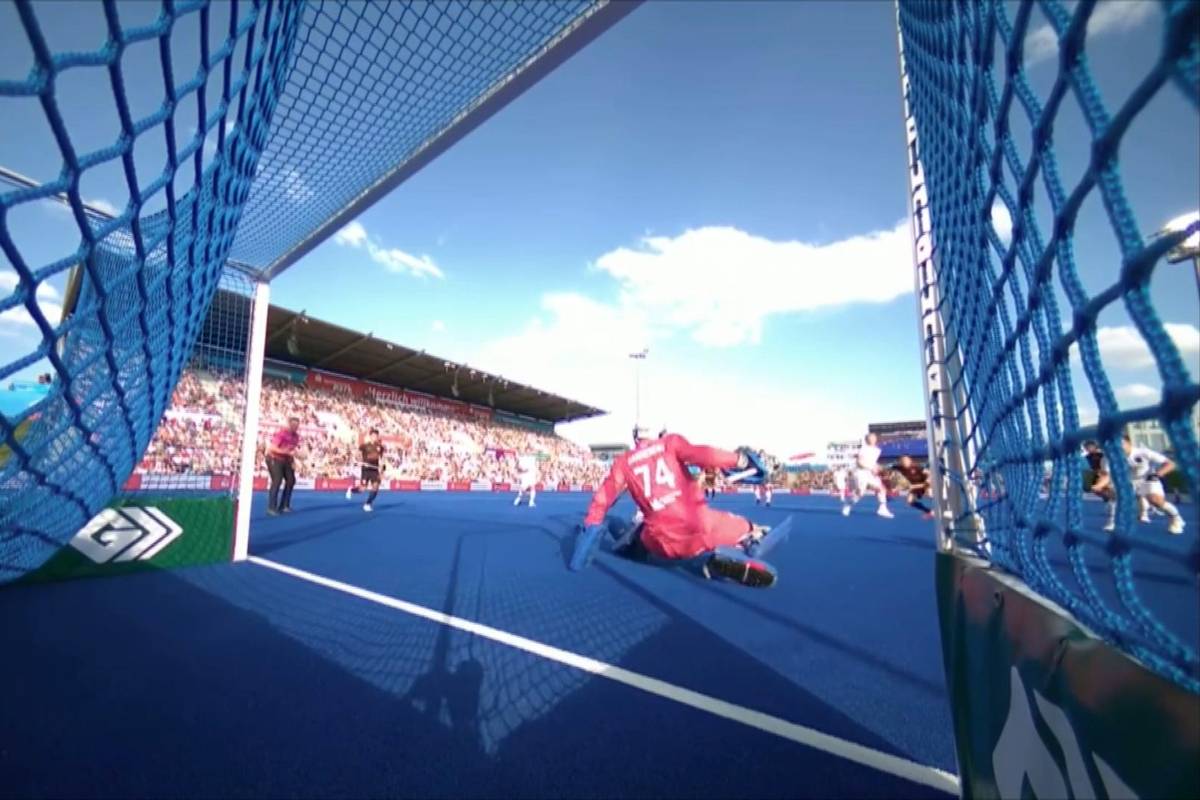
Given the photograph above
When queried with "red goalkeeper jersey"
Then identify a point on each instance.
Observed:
(655, 475)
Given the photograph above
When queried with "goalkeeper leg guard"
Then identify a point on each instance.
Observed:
(774, 537)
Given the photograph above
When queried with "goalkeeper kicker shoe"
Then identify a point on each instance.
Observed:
(731, 564)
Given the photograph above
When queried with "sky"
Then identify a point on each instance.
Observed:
(724, 185)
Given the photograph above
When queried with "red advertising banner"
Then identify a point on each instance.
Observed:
(134, 483)
(402, 398)
(438, 405)
(391, 396)
(406, 486)
(261, 484)
(335, 384)
(459, 486)
(384, 395)
(334, 484)
(220, 483)
(587, 487)
(501, 487)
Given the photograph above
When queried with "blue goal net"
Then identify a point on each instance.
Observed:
(148, 149)
(1021, 163)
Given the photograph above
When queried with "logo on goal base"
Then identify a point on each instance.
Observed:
(126, 534)
(1022, 757)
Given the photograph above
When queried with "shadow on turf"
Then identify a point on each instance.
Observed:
(863, 655)
(264, 542)
(603, 621)
(567, 546)
(487, 600)
(238, 681)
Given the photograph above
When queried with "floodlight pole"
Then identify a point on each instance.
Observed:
(637, 383)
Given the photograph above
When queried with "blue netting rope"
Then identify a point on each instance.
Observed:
(999, 301)
(300, 108)
(147, 279)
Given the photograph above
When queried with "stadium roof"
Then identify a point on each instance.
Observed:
(296, 338)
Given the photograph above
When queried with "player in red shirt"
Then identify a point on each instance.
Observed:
(281, 464)
(678, 523)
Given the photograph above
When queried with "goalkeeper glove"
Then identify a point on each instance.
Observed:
(748, 460)
(586, 544)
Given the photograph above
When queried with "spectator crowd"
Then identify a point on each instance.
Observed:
(201, 432)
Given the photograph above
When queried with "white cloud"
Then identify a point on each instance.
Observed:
(438, 326)
(1002, 221)
(392, 259)
(102, 205)
(716, 286)
(19, 317)
(295, 188)
(16, 320)
(352, 235)
(579, 348)
(9, 281)
(1135, 394)
(1122, 346)
(1088, 415)
(1108, 16)
(720, 284)
(396, 260)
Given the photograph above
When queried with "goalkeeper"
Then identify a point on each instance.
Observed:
(678, 524)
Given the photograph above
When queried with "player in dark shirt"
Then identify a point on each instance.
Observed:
(370, 461)
(918, 483)
(1101, 480)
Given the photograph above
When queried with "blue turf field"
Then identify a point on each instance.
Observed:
(242, 680)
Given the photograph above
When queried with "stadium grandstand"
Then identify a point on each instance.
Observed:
(901, 439)
(895, 431)
(441, 422)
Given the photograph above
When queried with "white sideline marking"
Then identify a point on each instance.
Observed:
(893, 765)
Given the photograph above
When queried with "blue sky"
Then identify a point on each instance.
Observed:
(725, 184)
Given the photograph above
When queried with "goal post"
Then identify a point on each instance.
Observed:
(255, 353)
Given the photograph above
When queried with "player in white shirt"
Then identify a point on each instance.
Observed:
(1146, 469)
(839, 483)
(1102, 486)
(866, 477)
(528, 480)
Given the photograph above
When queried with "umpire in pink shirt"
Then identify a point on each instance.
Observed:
(281, 457)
